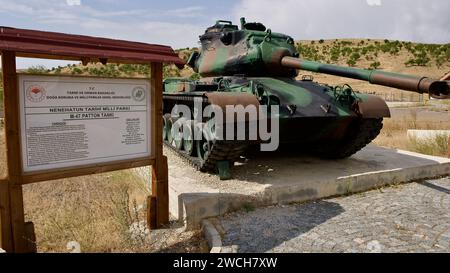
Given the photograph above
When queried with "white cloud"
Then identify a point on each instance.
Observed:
(8, 6)
(73, 2)
(373, 2)
(187, 12)
(414, 20)
(135, 25)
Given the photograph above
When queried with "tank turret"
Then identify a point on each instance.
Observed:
(251, 50)
(254, 50)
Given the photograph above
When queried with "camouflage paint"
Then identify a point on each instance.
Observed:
(255, 52)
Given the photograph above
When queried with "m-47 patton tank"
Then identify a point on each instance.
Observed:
(252, 65)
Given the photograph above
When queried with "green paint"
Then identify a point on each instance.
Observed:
(295, 94)
(224, 170)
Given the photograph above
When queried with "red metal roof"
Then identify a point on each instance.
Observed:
(52, 45)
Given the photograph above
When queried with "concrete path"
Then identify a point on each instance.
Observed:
(407, 218)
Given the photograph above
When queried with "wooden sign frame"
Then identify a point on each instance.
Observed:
(88, 169)
(18, 236)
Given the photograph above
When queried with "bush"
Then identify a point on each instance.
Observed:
(351, 62)
(38, 69)
(375, 65)
(346, 51)
(346, 43)
(76, 70)
(420, 59)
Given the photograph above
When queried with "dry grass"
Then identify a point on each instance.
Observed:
(97, 212)
(436, 146)
(394, 134)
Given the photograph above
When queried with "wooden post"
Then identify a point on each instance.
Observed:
(6, 241)
(159, 212)
(13, 207)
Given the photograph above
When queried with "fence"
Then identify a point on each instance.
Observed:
(399, 96)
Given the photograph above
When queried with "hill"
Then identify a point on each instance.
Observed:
(431, 60)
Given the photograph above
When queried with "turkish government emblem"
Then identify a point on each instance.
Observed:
(35, 93)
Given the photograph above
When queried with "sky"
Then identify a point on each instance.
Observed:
(179, 23)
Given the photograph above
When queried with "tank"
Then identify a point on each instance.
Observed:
(253, 66)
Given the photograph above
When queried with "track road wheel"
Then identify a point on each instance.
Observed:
(170, 135)
(178, 133)
(188, 138)
(166, 129)
(203, 147)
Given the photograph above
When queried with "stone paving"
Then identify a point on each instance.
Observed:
(411, 217)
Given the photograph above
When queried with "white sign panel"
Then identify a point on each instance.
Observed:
(77, 121)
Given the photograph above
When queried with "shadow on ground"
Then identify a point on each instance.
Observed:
(296, 166)
(276, 225)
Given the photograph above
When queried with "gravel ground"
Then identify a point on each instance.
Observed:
(407, 218)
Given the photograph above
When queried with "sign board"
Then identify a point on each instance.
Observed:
(69, 122)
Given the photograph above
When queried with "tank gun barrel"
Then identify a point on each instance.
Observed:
(435, 88)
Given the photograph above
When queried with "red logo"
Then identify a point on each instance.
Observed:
(35, 93)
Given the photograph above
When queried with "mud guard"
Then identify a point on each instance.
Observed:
(222, 99)
(374, 107)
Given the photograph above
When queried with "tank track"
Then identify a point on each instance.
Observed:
(221, 150)
(364, 132)
(360, 135)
